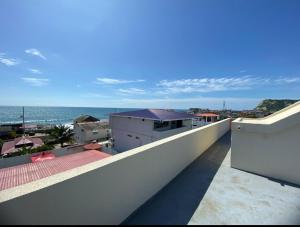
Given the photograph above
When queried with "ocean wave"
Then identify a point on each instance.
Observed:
(60, 121)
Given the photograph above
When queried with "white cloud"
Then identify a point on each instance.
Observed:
(219, 84)
(8, 61)
(38, 82)
(200, 102)
(111, 81)
(35, 71)
(132, 91)
(35, 52)
(287, 80)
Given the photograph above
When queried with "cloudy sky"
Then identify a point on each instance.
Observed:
(140, 53)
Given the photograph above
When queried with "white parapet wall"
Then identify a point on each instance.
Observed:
(269, 146)
(109, 190)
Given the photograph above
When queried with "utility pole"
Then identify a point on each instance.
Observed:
(23, 122)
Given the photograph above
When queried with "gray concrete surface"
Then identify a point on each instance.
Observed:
(177, 202)
(209, 191)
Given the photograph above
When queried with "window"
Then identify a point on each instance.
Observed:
(160, 124)
(176, 124)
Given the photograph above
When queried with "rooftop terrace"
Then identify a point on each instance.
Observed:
(209, 191)
(182, 179)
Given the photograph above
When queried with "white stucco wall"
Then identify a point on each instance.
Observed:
(269, 146)
(129, 133)
(109, 190)
(86, 136)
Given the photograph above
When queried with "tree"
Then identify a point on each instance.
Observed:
(62, 134)
(12, 134)
(1, 143)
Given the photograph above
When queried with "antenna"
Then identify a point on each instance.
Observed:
(224, 105)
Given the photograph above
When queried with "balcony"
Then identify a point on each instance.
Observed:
(163, 133)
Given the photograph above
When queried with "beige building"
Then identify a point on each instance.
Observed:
(88, 128)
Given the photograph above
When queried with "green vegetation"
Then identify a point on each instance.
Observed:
(273, 105)
(62, 134)
(29, 150)
(1, 143)
(12, 134)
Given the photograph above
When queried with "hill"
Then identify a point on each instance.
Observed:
(273, 105)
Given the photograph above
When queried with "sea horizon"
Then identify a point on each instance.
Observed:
(54, 115)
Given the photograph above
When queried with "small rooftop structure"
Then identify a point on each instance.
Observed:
(43, 156)
(92, 146)
(206, 115)
(155, 114)
(85, 119)
(17, 143)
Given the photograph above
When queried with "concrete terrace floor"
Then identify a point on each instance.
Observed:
(209, 191)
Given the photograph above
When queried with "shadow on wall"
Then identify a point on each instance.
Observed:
(177, 202)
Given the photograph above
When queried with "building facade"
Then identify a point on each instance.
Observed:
(203, 119)
(88, 129)
(136, 128)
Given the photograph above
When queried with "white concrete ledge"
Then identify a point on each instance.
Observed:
(109, 190)
(269, 146)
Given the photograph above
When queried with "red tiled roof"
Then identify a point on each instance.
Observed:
(17, 175)
(92, 146)
(206, 115)
(43, 156)
(9, 147)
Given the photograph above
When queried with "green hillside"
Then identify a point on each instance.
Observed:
(273, 105)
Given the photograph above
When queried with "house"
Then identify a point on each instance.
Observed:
(88, 128)
(20, 142)
(202, 119)
(136, 128)
(5, 129)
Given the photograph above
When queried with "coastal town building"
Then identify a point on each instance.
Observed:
(202, 119)
(20, 142)
(136, 128)
(88, 129)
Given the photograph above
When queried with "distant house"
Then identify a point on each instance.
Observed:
(5, 129)
(88, 128)
(24, 141)
(136, 128)
(205, 119)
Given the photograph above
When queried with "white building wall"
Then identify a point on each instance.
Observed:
(82, 135)
(129, 133)
(269, 146)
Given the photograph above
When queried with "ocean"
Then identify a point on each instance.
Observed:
(53, 115)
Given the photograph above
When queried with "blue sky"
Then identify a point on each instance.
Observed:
(156, 53)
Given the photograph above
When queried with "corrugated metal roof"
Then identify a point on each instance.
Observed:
(17, 175)
(155, 114)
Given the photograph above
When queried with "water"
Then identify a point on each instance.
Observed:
(53, 115)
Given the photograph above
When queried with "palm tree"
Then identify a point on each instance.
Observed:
(62, 134)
